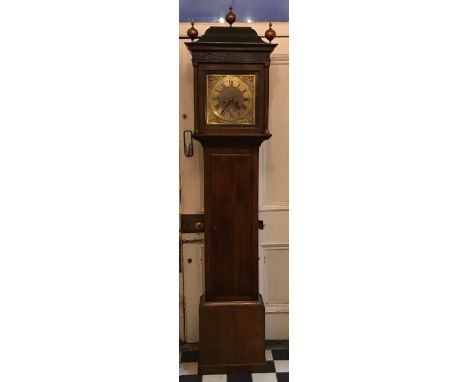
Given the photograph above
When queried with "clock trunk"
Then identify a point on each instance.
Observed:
(231, 234)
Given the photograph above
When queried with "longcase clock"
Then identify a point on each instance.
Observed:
(231, 71)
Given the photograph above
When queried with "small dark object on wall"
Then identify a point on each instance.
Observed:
(188, 143)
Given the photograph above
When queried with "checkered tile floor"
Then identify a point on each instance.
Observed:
(277, 369)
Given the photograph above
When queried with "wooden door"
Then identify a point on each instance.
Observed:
(272, 199)
(230, 232)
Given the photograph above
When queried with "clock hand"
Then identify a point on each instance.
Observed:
(222, 111)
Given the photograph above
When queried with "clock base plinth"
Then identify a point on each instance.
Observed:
(232, 337)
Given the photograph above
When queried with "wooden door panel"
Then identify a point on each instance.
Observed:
(229, 216)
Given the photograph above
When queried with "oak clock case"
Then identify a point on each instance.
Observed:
(231, 71)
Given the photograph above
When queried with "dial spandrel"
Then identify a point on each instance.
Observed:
(231, 99)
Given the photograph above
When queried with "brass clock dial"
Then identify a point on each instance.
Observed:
(230, 99)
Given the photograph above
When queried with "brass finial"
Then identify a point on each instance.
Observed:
(270, 34)
(230, 16)
(192, 32)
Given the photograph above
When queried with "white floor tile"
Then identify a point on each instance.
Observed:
(282, 366)
(268, 355)
(263, 377)
(186, 368)
(215, 378)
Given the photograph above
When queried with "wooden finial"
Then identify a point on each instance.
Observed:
(230, 16)
(270, 34)
(192, 32)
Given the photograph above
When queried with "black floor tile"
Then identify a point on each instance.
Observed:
(190, 378)
(189, 356)
(270, 367)
(282, 377)
(277, 344)
(239, 378)
(280, 354)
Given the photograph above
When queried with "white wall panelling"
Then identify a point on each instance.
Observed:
(193, 288)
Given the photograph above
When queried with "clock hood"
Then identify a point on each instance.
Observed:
(230, 44)
(231, 34)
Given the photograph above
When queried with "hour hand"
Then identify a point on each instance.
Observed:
(227, 104)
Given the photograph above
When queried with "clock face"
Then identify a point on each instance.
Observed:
(231, 99)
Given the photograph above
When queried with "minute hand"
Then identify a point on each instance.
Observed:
(222, 111)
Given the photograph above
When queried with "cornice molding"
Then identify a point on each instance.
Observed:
(279, 59)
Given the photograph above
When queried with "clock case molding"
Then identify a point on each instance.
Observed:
(232, 312)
